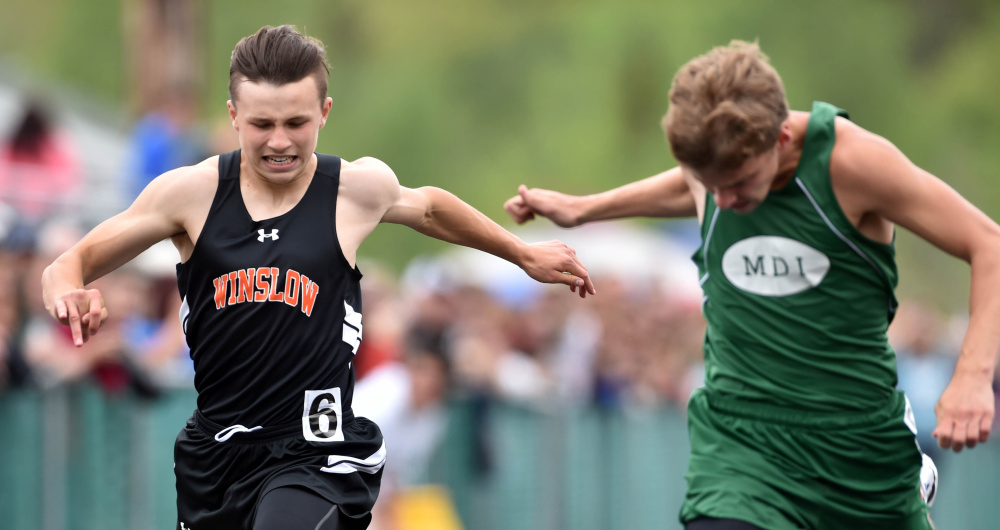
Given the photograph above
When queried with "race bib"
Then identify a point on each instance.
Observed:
(321, 416)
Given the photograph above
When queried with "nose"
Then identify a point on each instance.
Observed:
(279, 140)
(725, 199)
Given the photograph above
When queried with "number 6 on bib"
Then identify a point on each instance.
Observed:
(321, 416)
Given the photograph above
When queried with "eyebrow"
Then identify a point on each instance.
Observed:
(263, 119)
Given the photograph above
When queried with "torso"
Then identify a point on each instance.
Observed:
(273, 303)
(797, 298)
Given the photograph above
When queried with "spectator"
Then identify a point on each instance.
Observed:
(39, 171)
(164, 139)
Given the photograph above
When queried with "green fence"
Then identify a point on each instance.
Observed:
(76, 459)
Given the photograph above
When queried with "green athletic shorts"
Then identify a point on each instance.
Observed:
(782, 469)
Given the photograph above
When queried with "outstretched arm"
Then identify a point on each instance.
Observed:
(441, 215)
(371, 194)
(886, 183)
(663, 195)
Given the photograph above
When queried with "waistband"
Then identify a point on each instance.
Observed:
(255, 433)
(893, 407)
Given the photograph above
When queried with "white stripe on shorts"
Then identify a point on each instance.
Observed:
(346, 464)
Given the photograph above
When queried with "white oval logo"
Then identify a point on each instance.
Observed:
(774, 266)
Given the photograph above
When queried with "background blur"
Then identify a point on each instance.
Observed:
(521, 406)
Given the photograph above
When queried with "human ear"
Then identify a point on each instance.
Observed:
(232, 114)
(327, 105)
(785, 135)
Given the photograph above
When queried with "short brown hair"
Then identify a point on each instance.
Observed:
(278, 55)
(725, 107)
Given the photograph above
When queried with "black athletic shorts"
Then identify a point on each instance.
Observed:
(223, 472)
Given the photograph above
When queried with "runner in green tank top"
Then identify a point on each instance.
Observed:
(799, 424)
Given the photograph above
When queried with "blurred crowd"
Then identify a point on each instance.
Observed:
(45, 203)
(447, 327)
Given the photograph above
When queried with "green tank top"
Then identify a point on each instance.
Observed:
(797, 300)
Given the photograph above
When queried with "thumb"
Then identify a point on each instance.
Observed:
(522, 190)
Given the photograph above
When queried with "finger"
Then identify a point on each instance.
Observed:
(73, 320)
(522, 190)
(985, 424)
(96, 312)
(576, 274)
(972, 434)
(568, 278)
(943, 433)
(524, 214)
(585, 284)
(958, 441)
(61, 312)
(514, 204)
(85, 326)
(519, 211)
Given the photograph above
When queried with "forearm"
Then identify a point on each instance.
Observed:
(450, 219)
(665, 195)
(981, 347)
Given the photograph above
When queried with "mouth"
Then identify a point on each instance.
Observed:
(279, 162)
(741, 207)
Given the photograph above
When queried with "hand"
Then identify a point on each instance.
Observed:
(964, 412)
(83, 311)
(556, 262)
(558, 207)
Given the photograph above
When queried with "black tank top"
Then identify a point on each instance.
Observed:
(272, 310)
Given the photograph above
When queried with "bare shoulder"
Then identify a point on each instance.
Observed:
(861, 158)
(857, 148)
(369, 182)
(867, 170)
(189, 182)
(183, 192)
(365, 170)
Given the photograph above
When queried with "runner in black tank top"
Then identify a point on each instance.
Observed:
(272, 313)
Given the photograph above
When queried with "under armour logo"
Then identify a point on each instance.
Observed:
(185, 527)
(261, 235)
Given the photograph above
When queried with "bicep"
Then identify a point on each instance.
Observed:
(679, 193)
(154, 216)
(410, 207)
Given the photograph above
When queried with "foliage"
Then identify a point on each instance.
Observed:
(478, 97)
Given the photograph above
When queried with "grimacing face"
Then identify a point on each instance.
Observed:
(745, 188)
(278, 127)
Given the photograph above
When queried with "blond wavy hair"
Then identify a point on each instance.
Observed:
(726, 106)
